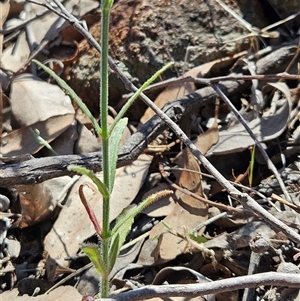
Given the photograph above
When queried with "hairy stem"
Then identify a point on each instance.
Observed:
(105, 140)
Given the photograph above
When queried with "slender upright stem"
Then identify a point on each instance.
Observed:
(103, 116)
(106, 5)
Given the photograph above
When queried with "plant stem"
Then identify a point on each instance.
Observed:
(105, 140)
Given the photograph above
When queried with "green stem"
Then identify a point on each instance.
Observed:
(104, 73)
(105, 257)
(105, 140)
(104, 115)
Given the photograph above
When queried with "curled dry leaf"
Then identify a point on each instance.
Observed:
(39, 200)
(180, 275)
(266, 127)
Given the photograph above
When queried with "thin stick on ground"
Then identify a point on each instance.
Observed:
(218, 286)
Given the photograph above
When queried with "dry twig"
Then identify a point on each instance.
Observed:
(218, 286)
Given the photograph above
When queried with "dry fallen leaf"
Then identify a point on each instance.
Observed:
(163, 206)
(65, 143)
(237, 139)
(187, 211)
(4, 9)
(33, 100)
(38, 201)
(171, 93)
(62, 293)
(44, 29)
(23, 141)
(44, 107)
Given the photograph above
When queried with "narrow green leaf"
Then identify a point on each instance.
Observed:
(198, 239)
(156, 237)
(42, 141)
(113, 147)
(123, 222)
(123, 230)
(107, 4)
(137, 94)
(84, 171)
(114, 250)
(93, 252)
(69, 91)
(167, 226)
(252, 166)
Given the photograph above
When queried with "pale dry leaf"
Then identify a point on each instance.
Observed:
(187, 212)
(216, 67)
(61, 293)
(38, 201)
(128, 183)
(87, 142)
(144, 259)
(121, 275)
(168, 245)
(73, 226)
(165, 274)
(125, 258)
(45, 28)
(207, 139)
(15, 56)
(170, 93)
(283, 87)
(64, 144)
(23, 141)
(33, 100)
(239, 238)
(4, 9)
(37, 105)
(237, 139)
(163, 206)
